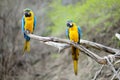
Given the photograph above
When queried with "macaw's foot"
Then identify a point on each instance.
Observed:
(27, 31)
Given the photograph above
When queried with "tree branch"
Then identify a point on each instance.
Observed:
(63, 43)
(47, 40)
(99, 46)
(97, 73)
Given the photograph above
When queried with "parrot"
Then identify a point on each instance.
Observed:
(28, 25)
(73, 32)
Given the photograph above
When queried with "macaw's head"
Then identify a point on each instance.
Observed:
(27, 12)
(69, 23)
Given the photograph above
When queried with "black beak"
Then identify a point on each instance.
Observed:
(69, 24)
(27, 14)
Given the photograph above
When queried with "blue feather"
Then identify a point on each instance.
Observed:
(23, 23)
(26, 36)
(67, 33)
(35, 22)
(79, 31)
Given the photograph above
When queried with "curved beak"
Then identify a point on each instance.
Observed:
(69, 24)
(27, 14)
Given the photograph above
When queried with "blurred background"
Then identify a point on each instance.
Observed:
(99, 21)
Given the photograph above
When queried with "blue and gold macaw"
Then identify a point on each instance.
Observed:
(28, 25)
(74, 34)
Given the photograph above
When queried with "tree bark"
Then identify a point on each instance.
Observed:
(64, 43)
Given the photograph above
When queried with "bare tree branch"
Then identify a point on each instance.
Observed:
(115, 74)
(112, 68)
(63, 43)
(99, 46)
(97, 73)
(48, 40)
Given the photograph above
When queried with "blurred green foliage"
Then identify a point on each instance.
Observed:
(89, 14)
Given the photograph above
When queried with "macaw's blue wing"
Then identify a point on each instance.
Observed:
(79, 32)
(67, 33)
(23, 23)
(26, 37)
(35, 22)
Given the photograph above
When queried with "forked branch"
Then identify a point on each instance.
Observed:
(64, 43)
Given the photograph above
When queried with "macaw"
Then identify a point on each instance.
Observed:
(74, 34)
(28, 25)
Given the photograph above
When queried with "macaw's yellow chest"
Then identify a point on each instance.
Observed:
(73, 34)
(29, 22)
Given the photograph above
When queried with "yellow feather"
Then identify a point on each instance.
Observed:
(27, 46)
(75, 62)
(73, 33)
(75, 56)
(29, 21)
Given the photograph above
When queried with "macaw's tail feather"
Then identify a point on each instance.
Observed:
(75, 56)
(27, 46)
(75, 62)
